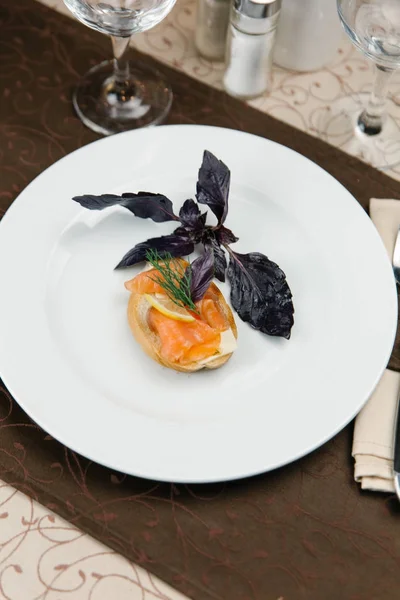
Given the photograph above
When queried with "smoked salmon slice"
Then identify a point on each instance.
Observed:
(183, 342)
(145, 283)
(211, 314)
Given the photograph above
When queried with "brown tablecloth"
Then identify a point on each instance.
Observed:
(304, 531)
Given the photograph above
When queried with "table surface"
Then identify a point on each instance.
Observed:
(42, 556)
(300, 99)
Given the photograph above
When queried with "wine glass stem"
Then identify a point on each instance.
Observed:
(372, 118)
(121, 65)
(121, 91)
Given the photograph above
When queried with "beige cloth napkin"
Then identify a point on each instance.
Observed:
(374, 426)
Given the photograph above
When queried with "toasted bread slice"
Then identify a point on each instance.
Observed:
(138, 308)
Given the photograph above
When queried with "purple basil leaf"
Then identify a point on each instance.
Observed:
(144, 204)
(225, 236)
(213, 185)
(191, 217)
(202, 273)
(195, 236)
(183, 232)
(189, 213)
(198, 237)
(220, 263)
(168, 244)
(260, 294)
(202, 220)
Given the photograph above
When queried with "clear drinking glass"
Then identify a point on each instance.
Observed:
(360, 123)
(116, 96)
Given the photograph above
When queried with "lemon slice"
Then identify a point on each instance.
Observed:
(165, 306)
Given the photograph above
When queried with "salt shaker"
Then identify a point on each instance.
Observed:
(308, 34)
(212, 27)
(250, 44)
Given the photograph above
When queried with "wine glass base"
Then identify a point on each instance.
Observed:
(338, 125)
(99, 108)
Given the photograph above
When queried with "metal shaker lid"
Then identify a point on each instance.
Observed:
(258, 9)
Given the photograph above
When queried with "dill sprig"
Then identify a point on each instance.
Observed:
(175, 278)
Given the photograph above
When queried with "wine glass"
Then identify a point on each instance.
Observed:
(115, 96)
(359, 123)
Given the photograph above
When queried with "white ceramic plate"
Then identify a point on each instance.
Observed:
(69, 359)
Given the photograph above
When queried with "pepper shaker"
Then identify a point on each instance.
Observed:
(212, 27)
(251, 37)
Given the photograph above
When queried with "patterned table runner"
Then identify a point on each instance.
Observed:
(294, 533)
